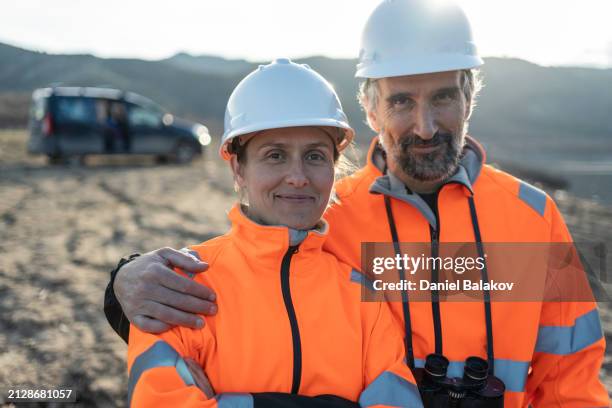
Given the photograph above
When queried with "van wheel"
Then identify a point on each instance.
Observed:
(184, 153)
(55, 159)
(161, 159)
(75, 160)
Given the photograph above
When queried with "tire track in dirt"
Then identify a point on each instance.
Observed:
(138, 218)
(9, 215)
(125, 199)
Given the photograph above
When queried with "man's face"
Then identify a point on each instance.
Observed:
(421, 120)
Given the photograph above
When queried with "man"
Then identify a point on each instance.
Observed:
(426, 181)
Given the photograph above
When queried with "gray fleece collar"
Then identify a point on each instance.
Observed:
(296, 236)
(466, 174)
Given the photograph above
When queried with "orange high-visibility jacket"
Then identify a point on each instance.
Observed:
(548, 354)
(290, 320)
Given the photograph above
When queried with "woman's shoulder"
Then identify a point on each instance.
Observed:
(209, 251)
(342, 271)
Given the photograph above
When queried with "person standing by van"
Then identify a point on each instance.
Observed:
(110, 128)
(120, 123)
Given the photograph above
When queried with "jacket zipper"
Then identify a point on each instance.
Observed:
(295, 330)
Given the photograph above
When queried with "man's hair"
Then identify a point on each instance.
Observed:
(471, 82)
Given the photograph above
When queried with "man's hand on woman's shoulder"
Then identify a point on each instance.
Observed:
(155, 298)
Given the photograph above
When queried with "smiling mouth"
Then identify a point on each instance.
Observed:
(295, 198)
(424, 149)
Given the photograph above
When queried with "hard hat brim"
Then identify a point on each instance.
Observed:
(415, 65)
(349, 133)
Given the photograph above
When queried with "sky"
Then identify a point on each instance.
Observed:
(547, 32)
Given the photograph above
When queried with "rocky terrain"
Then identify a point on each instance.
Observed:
(63, 228)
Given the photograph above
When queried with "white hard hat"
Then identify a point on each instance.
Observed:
(409, 37)
(283, 94)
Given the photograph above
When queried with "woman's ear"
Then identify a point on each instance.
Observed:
(237, 169)
(468, 110)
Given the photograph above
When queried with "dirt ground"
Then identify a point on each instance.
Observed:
(63, 228)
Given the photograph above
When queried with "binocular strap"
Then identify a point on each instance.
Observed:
(435, 301)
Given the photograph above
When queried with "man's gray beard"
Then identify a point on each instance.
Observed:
(435, 166)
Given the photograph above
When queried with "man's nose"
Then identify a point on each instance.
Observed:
(425, 125)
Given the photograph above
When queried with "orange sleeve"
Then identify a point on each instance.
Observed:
(158, 375)
(570, 347)
(388, 380)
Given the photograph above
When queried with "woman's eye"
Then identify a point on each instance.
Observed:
(316, 156)
(274, 156)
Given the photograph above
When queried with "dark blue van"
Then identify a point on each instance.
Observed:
(72, 122)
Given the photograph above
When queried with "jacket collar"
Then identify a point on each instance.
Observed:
(388, 184)
(269, 243)
(472, 160)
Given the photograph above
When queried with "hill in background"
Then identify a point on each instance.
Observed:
(551, 120)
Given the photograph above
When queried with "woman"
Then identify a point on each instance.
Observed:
(290, 320)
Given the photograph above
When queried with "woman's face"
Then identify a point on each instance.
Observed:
(288, 176)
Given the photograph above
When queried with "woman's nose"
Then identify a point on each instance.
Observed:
(296, 176)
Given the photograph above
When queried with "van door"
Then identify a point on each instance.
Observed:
(147, 132)
(112, 117)
(39, 125)
(76, 125)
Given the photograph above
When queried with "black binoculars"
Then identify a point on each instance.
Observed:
(477, 388)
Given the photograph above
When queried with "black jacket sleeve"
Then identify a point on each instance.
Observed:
(282, 400)
(112, 308)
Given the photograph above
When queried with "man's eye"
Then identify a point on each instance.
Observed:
(445, 97)
(399, 100)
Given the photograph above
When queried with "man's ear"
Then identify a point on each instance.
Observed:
(237, 169)
(372, 118)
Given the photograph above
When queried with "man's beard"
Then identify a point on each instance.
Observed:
(434, 166)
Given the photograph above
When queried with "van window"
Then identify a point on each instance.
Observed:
(75, 110)
(138, 116)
